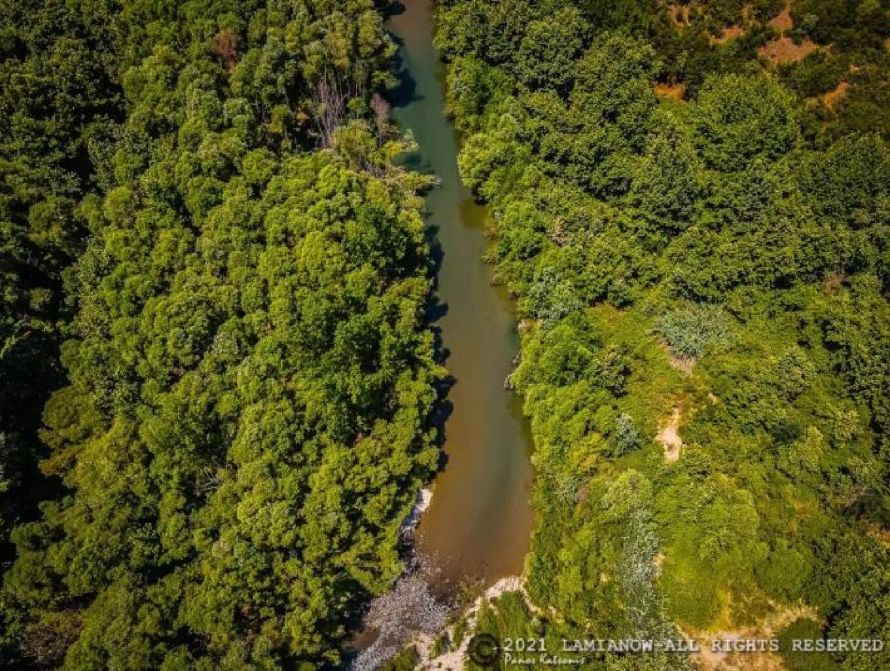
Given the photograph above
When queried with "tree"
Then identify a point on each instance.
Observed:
(742, 118)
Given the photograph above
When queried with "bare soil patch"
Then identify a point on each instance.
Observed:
(684, 364)
(783, 50)
(711, 660)
(783, 21)
(669, 437)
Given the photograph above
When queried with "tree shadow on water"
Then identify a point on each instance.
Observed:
(404, 92)
(393, 8)
(442, 407)
(434, 311)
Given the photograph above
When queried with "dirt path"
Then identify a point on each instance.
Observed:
(669, 436)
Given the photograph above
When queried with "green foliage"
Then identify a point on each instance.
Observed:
(740, 119)
(690, 332)
(625, 436)
(198, 204)
(803, 629)
(548, 50)
(59, 105)
(471, 86)
(815, 75)
(670, 182)
(553, 298)
(250, 375)
(406, 660)
(844, 21)
(746, 234)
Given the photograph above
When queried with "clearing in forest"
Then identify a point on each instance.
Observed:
(783, 21)
(785, 50)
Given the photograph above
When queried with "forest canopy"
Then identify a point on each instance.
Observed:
(698, 243)
(203, 223)
(218, 376)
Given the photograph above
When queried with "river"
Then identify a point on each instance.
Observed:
(479, 522)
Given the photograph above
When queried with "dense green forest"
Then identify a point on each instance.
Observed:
(699, 244)
(59, 104)
(216, 279)
(217, 375)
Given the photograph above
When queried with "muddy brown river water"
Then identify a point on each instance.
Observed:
(478, 524)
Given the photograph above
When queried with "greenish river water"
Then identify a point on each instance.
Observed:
(479, 521)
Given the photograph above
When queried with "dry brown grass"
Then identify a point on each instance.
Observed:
(784, 50)
(768, 627)
(881, 534)
(679, 14)
(671, 91)
(783, 21)
(728, 33)
(225, 45)
(833, 282)
(836, 96)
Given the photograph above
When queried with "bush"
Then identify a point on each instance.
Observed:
(625, 436)
(690, 332)
(803, 628)
(553, 298)
(740, 119)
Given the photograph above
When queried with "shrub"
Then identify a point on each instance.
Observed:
(690, 332)
(553, 298)
(625, 436)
